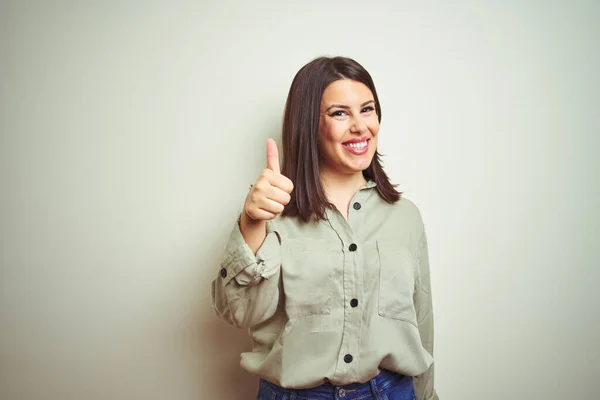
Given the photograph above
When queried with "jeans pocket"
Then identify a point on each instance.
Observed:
(401, 391)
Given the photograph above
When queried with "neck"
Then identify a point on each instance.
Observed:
(341, 187)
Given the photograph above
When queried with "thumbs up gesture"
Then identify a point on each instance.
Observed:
(271, 192)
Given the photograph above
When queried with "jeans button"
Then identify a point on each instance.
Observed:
(341, 393)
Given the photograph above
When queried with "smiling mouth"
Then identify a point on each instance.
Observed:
(357, 147)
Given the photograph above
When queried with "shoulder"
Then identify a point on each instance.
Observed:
(407, 205)
(399, 224)
(406, 211)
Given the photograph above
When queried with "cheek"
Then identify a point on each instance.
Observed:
(373, 125)
(325, 137)
(332, 131)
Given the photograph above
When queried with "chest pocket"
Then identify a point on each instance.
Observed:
(307, 272)
(396, 282)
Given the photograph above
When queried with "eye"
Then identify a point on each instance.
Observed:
(338, 113)
(367, 109)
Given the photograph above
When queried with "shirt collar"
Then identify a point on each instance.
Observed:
(368, 185)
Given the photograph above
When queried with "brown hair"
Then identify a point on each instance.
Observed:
(300, 136)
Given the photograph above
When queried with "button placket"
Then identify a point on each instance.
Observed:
(355, 212)
(352, 286)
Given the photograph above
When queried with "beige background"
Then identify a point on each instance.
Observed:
(130, 132)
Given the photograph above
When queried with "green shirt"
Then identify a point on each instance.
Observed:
(335, 300)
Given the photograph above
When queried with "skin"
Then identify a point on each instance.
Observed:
(266, 200)
(347, 112)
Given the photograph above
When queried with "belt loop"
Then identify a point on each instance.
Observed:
(374, 391)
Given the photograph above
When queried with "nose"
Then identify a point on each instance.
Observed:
(358, 125)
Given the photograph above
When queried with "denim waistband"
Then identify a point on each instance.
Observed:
(381, 382)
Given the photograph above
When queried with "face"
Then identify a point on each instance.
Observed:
(348, 128)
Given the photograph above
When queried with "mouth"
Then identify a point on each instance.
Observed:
(357, 147)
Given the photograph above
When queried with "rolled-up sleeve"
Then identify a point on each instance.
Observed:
(424, 383)
(246, 291)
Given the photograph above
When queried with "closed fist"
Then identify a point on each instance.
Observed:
(271, 192)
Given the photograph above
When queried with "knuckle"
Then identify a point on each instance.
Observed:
(260, 185)
(253, 197)
(250, 212)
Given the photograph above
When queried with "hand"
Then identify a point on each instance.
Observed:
(271, 192)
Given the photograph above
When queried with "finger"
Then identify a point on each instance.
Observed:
(282, 182)
(278, 195)
(260, 215)
(272, 156)
(271, 206)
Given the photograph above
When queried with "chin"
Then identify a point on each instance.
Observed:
(353, 169)
(362, 165)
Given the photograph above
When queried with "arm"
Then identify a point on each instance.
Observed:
(246, 292)
(424, 388)
(253, 231)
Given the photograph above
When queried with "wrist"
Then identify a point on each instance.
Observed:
(246, 221)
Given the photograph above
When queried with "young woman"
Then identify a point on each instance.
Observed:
(327, 265)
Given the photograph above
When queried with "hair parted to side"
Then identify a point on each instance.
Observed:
(300, 137)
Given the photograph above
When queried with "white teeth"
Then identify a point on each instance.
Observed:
(360, 145)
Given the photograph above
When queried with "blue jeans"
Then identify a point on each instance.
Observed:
(385, 386)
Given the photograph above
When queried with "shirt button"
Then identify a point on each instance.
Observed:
(223, 272)
(354, 303)
(356, 206)
(348, 358)
(353, 247)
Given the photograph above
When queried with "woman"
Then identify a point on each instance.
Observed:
(327, 265)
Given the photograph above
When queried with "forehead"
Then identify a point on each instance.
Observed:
(346, 92)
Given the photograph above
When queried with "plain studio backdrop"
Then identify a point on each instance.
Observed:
(130, 132)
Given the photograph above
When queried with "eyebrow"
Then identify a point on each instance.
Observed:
(346, 107)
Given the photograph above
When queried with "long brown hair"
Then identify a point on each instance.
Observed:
(300, 136)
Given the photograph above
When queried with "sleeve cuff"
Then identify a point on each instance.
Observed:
(247, 268)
